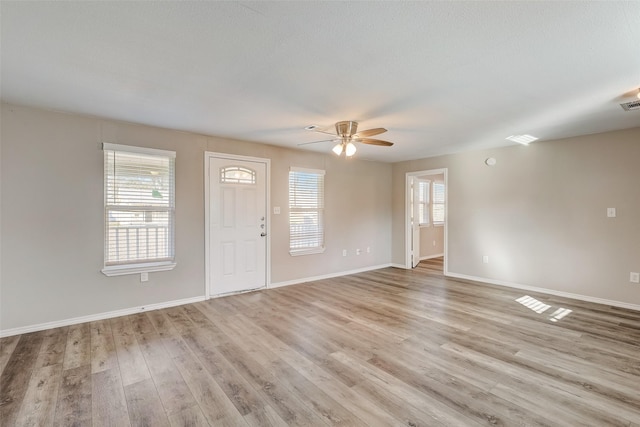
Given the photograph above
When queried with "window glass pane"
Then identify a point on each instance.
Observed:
(137, 236)
(305, 230)
(438, 203)
(138, 180)
(423, 201)
(237, 175)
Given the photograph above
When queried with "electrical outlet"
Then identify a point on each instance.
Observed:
(144, 276)
(485, 259)
(634, 277)
(344, 252)
(276, 210)
(358, 251)
(611, 212)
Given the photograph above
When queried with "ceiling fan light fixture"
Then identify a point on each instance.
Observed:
(337, 149)
(350, 150)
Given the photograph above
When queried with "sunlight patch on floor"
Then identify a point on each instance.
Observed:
(540, 307)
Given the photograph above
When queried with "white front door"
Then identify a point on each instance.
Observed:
(237, 215)
(415, 223)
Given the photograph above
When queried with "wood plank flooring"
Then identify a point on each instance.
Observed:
(383, 348)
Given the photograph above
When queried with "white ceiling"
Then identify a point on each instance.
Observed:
(442, 77)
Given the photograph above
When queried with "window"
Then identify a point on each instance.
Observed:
(139, 209)
(423, 201)
(438, 203)
(306, 211)
(237, 175)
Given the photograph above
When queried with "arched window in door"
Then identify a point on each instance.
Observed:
(237, 175)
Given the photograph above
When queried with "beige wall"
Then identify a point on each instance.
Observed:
(540, 214)
(52, 215)
(431, 241)
(432, 236)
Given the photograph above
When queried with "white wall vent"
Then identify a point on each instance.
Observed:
(630, 106)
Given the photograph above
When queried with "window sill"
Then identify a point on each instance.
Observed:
(121, 270)
(307, 251)
(438, 224)
(425, 225)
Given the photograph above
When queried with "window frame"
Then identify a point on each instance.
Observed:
(152, 265)
(319, 210)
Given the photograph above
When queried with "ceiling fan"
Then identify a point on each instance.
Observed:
(345, 136)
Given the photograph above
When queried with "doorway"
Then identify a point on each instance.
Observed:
(236, 223)
(412, 213)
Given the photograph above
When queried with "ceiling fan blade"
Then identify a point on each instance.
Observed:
(375, 142)
(369, 132)
(315, 142)
(324, 131)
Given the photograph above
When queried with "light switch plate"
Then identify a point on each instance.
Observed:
(276, 210)
(611, 212)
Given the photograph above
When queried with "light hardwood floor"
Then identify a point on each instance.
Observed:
(387, 347)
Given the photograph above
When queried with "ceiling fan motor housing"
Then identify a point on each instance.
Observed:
(346, 129)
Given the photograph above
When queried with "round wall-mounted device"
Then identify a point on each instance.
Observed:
(490, 161)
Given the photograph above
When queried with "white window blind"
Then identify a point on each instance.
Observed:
(438, 203)
(423, 201)
(139, 198)
(306, 211)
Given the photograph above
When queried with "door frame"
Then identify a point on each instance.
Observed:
(208, 155)
(414, 182)
(407, 214)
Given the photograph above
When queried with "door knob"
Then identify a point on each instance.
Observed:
(263, 234)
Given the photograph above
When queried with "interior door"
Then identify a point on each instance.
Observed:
(415, 223)
(237, 227)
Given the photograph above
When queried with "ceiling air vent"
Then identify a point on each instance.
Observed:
(631, 106)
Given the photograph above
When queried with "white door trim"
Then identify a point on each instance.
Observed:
(407, 214)
(415, 221)
(207, 249)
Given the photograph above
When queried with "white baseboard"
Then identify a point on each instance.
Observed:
(404, 267)
(431, 256)
(99, 316)
(327, 276)
(546, 291)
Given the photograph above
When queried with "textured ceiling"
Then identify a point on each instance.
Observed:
(442, 77)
